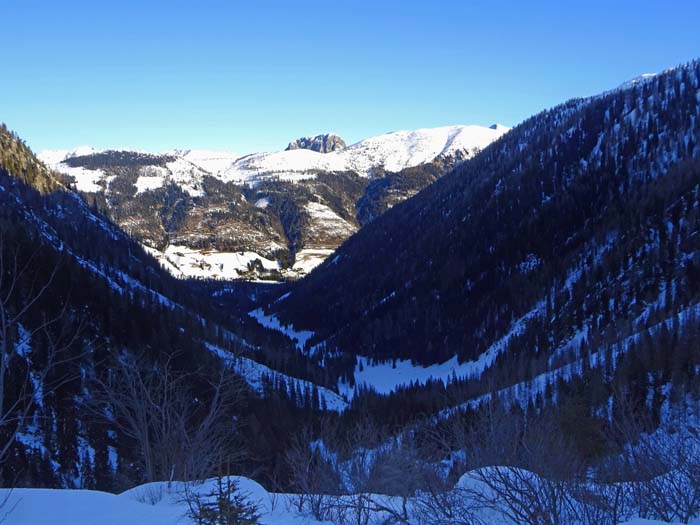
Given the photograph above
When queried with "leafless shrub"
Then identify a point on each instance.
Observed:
(177, 435)
(150, 494)
(317, 482)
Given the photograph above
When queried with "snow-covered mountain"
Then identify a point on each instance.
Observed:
(392, 152)
(275, 215)
(53, 157)
(184, 167)
(209, 160)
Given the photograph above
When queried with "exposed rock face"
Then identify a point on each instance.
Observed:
(321, 143)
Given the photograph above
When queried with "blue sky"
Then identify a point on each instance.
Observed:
(250, 76)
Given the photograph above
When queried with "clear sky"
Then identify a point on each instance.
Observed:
(252, 75)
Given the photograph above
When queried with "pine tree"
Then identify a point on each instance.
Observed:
(223, 505)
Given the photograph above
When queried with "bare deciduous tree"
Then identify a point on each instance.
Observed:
(664, 467)
(522, 471)
(178, 436)
(316, 481)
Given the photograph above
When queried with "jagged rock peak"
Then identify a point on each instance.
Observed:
(322, 143)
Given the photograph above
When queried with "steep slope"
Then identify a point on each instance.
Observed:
(578, 227)
(204, 214)
(110, 300)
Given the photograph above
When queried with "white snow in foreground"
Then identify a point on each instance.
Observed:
(299, 337)
(162, 504)
(151, 504)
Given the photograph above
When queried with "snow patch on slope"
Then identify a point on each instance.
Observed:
(300, 337)
(386, 377)
(325, 220)
(208, 160)
(144, 184)
(309, 258)
(253, 373)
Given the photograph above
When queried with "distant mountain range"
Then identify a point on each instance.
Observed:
(266, 215)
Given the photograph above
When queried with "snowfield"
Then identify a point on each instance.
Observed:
(325, 220)
(182, 261)
(386, 377)
(208, 160)
(151, 504)
(307, 259)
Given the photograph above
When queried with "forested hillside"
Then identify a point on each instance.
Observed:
(86, 315)
(581, 219)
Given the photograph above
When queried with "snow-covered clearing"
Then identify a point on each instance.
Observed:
(208, 160)
(148, 183)
(309, 258)
(386, 377)
(324, 220)
(183, 261)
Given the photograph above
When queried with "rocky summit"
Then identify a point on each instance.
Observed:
(321, 143)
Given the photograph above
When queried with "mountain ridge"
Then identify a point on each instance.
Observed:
(490, 241)
(211, 214)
